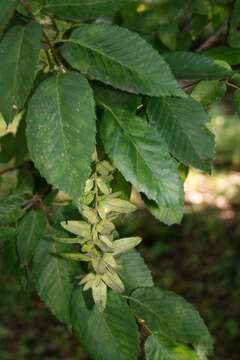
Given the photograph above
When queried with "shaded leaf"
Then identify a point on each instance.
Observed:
(169, 314)
(30, 231)
(230, 55)
(169, 215)
(19, 52)
(61, 131)
(83, 9)
(181, 123)
(7, 233)
(233, 34)
(115, 98)
(190, 66)
(209, 92)
(157, 347)
(117, 334)
(133, 271)
(141, 155)
(119, 58)
(54, 277)
(11, 209)
(7, 8)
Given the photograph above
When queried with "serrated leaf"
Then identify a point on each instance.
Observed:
(30, 231)
(209, 92)
(19, 52)
(169, 314)
(61, 131)
(133, 271)
(159, 348)
(11, 209)
(54, 277)
(83, 9)
(181, 123)
(191, 66)
(115, 334)
(141, 155)
(119, 58)
(7, 8)
(169, 215)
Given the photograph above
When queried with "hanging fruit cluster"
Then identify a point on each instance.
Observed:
(96, 234)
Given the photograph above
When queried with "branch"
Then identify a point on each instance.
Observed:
(28, 9)
(213, 38)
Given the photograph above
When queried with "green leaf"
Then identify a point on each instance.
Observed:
(30, 231)
(157, 347)
(54, 277)
(14, 146)
(209, 92)
(181, 123)
(107, 335)
(83, 9)
(19, 53)
(7, 146)
(7, 233)
(119, 184)
(233, 34)
(236, 99)
(36, 7)
(139, 152)
(230, 55)
(61, 131)
(169, 215)
(7, 8)
(190, 66)
(168, 33)
(114, 98)
(170, 315)
(200, 7)
(133, 271)
(11, 209)
(119, 58)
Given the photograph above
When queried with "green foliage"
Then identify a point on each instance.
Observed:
(61, 110)
(19, 51)
(6, 11)
(30, 230)
(170, 315)
(83, 84)
(54, 277)
(149, 167)
(190, 142)
(82, 9)
(119, 58)
(116, 329)
(187, 65)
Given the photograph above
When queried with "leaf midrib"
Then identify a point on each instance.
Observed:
(140, 154)
(103, 55)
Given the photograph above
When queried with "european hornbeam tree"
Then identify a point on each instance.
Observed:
(97, 97)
